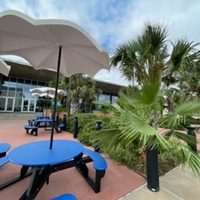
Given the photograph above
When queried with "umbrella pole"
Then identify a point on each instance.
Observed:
(47, 101)
(55, 99)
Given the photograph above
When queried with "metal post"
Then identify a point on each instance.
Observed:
(192, 131)
(64, 121)
(57, 119)
(97, 127)
(152, 169)
(75, 131)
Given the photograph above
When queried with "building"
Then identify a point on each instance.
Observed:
(14, 89)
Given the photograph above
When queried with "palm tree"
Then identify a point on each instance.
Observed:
(137, 117)
(143, 55)
(146, 57)
(84, 88)
(132, 119)
(79, 87)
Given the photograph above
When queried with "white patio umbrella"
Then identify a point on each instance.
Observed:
(44, 95)
(45, 92)
(59, 45)
(4, 68)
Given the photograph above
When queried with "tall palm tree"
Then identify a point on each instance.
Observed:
(137, 117)
(79, 87)
(84, 88)
(146, 56)
(143, 57)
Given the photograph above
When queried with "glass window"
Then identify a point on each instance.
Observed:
(3, 91)
(41, 83)
(10, 104)
(32, 105)
(114, 99)
(104, 97)
(11, 92)
(13, 81)
(19, 89)
(28, 82)
(34, 83)
(20, 80)
(19, 92)
(5, 83)
(18, 103)
(2, 103)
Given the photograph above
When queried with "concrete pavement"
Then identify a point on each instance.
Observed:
(178, 184)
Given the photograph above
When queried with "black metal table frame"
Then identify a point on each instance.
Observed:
(41, 175)
(23, 174)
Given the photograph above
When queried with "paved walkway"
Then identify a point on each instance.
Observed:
(178, 184)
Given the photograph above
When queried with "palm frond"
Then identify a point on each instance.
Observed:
(179, 115)
(188, 157)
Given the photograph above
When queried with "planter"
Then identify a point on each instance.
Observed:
(100, 113)
(48, 113)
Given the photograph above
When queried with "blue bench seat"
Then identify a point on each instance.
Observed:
(65, 196)
(34, 129)
(59, 128)
(99, 164)
(3, 161)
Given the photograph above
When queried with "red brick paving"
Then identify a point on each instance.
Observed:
(118, 180)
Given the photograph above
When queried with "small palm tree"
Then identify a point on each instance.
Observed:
(132, 119)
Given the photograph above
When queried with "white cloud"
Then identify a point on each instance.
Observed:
(113, 22)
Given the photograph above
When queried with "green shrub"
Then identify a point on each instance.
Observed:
(86, 126)
(129, 155)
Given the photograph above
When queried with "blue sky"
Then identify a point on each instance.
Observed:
(112, 22)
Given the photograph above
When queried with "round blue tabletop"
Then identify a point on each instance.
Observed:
(4, 147)
(37, 153)
(43, 120)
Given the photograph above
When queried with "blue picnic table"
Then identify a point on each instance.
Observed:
(4, 147)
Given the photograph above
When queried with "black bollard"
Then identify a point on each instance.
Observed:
(192, 131)
(75, 131)
(152, 169)
(57, 119)
(97, 127)
(64, 121)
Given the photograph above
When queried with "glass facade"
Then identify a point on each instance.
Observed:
(106, 97)
(15, 95)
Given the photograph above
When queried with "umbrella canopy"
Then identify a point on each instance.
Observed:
(58, 45)
(38, 41)
(46, 92)
(4, 68)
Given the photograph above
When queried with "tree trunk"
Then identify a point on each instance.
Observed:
(74, 107)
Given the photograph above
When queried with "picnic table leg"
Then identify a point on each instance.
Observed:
(2, 154)
(39, 176)
(23, 174)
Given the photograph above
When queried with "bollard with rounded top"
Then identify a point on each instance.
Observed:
(97, 127)
(64, 121)
(152, 169)
(57, 119)
(192, 131)
(75, 131)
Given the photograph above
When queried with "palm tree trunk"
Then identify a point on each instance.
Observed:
(74, 107)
